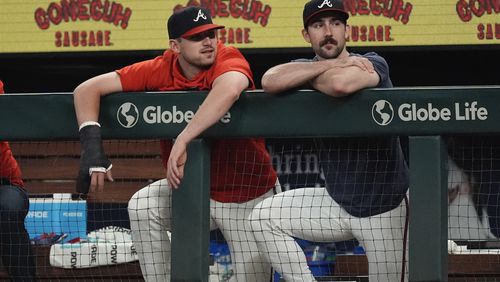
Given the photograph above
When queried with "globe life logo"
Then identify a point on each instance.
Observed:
(383, 112)
(128, 115)
(459, 112)
(155, 114)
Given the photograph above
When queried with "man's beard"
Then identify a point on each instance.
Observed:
(202, 64)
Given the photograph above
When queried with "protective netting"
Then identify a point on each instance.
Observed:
(358, 235)
(474, 246)
(331, 233)
(474, 210)
(79, 237)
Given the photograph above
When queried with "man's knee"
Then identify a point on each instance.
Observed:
(151, 202)
(137, 205)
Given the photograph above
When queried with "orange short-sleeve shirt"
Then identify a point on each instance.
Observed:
(164, 74)
(241, 169)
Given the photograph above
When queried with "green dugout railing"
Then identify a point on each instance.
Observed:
(424, 114)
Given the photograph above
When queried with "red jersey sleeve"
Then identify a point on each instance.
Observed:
(1, 87)
(148, 75)
(231, 59)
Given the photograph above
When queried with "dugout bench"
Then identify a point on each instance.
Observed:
(50, 167)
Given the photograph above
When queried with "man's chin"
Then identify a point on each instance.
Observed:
(328, 55)
(205, 64)
(208, 59)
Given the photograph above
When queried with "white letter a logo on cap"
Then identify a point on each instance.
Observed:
(325, 2)
(201, 15)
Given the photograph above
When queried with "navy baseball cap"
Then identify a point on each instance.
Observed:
(190, 21)
(315, 7)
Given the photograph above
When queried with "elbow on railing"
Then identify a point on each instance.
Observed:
(270, 86)
(335, 88)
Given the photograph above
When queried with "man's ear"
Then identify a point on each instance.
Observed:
(175, 45)
(347, 32)
(305, 34)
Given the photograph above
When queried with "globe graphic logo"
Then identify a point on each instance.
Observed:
(382, 112)
(127, 115)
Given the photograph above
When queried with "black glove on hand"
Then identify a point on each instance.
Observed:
(92, 157)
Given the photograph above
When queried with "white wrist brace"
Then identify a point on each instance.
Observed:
(87, 123)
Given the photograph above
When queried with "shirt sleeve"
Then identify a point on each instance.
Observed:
(230, 59)
(142, 76)
(381, 67)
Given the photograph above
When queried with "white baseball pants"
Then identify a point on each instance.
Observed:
(311, 214)
(150, 219)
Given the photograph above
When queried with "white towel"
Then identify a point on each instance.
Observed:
(106, 246)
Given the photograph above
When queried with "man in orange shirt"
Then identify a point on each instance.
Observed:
(15, 248)
(241, 170)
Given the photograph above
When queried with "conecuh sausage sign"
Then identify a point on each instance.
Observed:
(115, 25)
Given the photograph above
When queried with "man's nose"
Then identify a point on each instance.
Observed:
(207, 41)
(328, 29)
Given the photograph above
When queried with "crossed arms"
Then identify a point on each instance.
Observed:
(335, 77)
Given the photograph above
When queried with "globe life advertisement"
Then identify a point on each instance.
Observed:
(113, 25)
(383, 112)
(128, 115)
